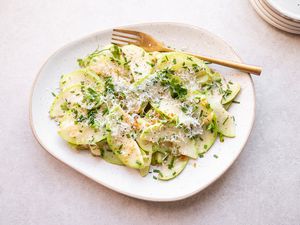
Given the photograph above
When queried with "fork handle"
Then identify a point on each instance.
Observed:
(235, 65)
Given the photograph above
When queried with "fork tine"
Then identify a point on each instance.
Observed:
(127, 31)
(126, 37)
(125, 41)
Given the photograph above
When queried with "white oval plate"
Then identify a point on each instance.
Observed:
(122, 179)
(287, 8)
(281, 20)
(271, 19)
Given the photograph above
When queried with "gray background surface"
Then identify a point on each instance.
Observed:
(263, 185)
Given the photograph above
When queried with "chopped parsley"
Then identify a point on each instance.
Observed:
(102, 152)
(177, 89)
(115, 51)
(227, 92)
(212, 126)
(91, 116)
(109, 86)
(91, 96)
(80, 119)
(201, 113)
(159, 172)
(171, 164)
(105, 111)
(87, 60)
(225, 120)
(65, 106)
(150, 64)
(81, 62)
(201, 155)
(184, 109)
(221, 136)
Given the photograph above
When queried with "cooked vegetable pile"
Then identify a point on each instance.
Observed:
(144, 110)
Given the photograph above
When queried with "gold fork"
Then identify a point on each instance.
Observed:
(122, 37)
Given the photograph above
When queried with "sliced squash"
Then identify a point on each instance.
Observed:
(140, 62)
(103, 150)
(79, 133)
(225, 121)
(144, 144)
(231, 93)
(84, 77)
(74, 97)
(120, 140)
(172, 167)
(171, 137)
(158, 157)
(191, 70)
(110, 63)
(205, 141)
(147, 159)
(227, 105)
(178, 60)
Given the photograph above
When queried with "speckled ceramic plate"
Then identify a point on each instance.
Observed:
(275, 19)
(281, 20)
(287, 8)
(198, 174)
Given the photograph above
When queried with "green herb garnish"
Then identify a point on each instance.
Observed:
(115, 51)
(184, 109)
(105, 111)
(225, 120)
(221, 137)
(150, 64)
(171, 164)
(109, 86)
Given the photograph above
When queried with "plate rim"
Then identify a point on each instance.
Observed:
(116, 189)
(283, 12)
(287, 22)
(263, 14)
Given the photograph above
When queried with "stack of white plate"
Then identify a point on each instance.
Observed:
(283, 14)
